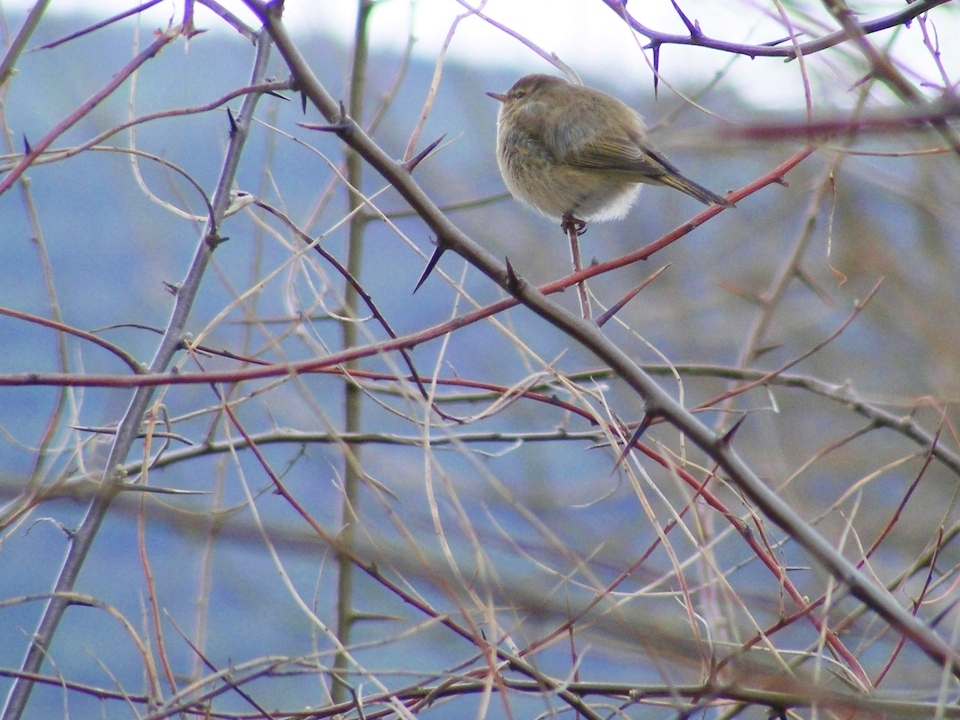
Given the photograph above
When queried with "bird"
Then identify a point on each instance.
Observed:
(577, 154)
(572, 151)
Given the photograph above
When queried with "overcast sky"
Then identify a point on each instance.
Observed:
(590, 38)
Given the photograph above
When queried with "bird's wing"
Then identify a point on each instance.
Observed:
(630, 155)
(625, 153)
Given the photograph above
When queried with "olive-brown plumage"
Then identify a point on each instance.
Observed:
(573, 152)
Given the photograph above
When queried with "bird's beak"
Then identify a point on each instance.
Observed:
(498, 97)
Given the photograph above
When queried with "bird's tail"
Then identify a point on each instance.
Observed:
(694, 190)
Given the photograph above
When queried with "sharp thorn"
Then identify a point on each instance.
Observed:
(409, 165)
(727, 438)
(693, 29)
(335, 127)
(513, 280)
(628, 297)
(656, 69)
(431, 263)
(645, 422)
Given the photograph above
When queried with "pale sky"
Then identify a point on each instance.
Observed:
(593, 41)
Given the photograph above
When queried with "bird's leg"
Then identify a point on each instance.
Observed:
(574, 228)
(569, 224)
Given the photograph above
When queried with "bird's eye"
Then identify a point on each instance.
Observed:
(519, 94)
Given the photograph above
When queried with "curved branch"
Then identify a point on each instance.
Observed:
(771, 49)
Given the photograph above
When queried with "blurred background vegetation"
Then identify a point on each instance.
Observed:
(510, 516)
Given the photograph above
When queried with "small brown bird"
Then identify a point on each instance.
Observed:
(575, 153)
